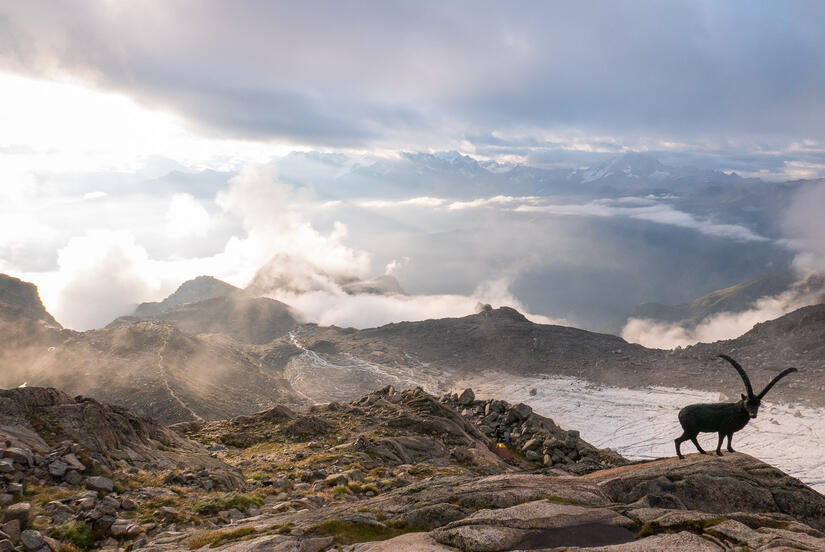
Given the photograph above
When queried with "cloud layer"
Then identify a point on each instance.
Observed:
(539, 77)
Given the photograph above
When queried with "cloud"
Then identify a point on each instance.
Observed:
(497, 201)
(327, 307)
(186, 217)
(724, 325)
(395, 264)
(646, 209)
(642, 208)
(273, 215)
(804, 227)
(804, 232)
(423, 201)
(101, 275)
(449, 75)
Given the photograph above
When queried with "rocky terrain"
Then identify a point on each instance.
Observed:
(250, 320)
(236, 354)
(502, 340)
(19, 299)
(393, 470)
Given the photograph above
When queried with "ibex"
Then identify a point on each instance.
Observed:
(723, 418)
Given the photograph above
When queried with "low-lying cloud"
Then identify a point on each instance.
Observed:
(656, 210)
(804, 228)
(327, 307)
(723, 325)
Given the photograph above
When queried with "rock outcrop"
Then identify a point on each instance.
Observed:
(21, 299)
(191, 291)
(54, 437)
(390, 471)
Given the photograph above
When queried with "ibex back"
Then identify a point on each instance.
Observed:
(723, 418)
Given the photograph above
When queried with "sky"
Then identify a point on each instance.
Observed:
(144, 143)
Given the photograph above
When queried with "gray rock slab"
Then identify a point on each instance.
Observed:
(736, 532)
(99, 483)
(411, 542)
(280, 543)
(681, 542)
(544, 514)
(480, 538)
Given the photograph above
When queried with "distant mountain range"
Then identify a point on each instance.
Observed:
(235, 354)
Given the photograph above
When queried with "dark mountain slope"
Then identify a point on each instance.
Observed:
(20, 299)
(254, 320)
(191, 291)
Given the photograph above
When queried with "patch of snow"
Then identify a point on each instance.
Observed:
(642, 423)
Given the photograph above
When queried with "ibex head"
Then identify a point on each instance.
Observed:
(751, 402)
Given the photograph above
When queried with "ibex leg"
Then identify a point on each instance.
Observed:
(696, 443)
(730, 448)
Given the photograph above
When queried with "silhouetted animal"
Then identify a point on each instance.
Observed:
(723, 418)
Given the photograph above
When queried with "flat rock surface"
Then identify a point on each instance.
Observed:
(714, 484)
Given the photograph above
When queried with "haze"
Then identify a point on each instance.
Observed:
(573, 161)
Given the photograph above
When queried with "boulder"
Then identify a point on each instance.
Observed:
(99, 483)
(58, 468)
(6, 546)
(467, 397)
(572, 440)
(128, 504)
(32, 540)
(12, 529)
(20, 456)
(53, 544)
(21, 512)
(532, 444)
(168, 513)
(72, 477)
(6, 465)
(123, 527)
(59, 512)
(481, 538)
(73, 462)
(519, 413)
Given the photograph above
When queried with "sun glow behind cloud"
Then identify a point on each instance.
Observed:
(51, 126)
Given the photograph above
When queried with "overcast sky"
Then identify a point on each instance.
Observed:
(100, 101)
(723, 78)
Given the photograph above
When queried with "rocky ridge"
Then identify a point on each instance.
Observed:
(191, 291)
(393, 470)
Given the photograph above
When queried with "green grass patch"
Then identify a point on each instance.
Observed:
(379, 515)
(75, 533)
(214, 504)
(341, 490)
(218, 538)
